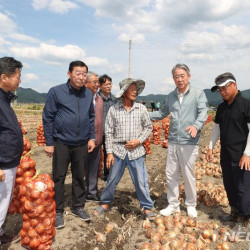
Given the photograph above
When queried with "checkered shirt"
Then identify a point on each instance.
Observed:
(122, 126)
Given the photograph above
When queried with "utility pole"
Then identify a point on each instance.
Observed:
(129, 60)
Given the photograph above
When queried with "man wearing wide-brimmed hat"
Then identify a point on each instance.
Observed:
(127, 127)
(232, 125)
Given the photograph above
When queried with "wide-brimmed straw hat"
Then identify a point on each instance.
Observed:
(124, 84)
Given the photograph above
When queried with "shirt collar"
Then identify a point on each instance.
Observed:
(182, 94)
(110, 96)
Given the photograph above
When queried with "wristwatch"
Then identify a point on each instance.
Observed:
(246, 154)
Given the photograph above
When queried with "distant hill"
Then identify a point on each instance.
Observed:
(31, 96)
(214, 99)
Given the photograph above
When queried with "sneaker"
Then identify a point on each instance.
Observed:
(81, 214)
(59, 223)
(192, 212)
(169, 210)
(6, 239)
(92, 198)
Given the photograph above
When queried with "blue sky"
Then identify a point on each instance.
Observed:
(210, 36)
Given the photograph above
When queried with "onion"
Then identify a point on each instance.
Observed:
(174, 244)
(159, 220)
(155, 237)
(100, 237)
(161, 230)
(111, 226)
(225, 245)
(165, 247)
(145, 246)
(150, 232)
(206, 234)
(146, 224)
(155, 245)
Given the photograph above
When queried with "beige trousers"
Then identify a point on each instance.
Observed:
(181, 157)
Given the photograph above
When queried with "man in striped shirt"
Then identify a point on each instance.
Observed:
(127, 127)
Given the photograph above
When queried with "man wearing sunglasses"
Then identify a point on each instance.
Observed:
(232, 125)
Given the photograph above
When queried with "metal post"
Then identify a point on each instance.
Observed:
(129, 60)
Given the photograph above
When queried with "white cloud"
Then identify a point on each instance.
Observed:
(55, 55)
(95, 61)
(116, 68)
(29, 77)
(23, 38)
(6, 24)
(58, 6)
(48, 52)
(137, 38)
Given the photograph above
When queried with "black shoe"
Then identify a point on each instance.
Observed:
(227, 217)
(6, 239)
(230, 217)
(59, 221)
(81, 214)
(92, 198)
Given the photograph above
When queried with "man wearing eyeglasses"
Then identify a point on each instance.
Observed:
(93, 159)
(108, 101)
(232, 125)
(69, 129)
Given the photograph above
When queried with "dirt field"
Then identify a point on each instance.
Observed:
(125, 209)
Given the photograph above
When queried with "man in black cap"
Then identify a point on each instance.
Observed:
(232, 125)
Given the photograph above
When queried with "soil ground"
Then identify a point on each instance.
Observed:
(125, 212)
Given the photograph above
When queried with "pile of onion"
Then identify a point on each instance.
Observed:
(146, 145)
(156, 134)
(181, 232)
(24, 131)
(26, 146)
(209, 194)
(165, 126)
(40, 139)
(39, 212)
(209, 119)
(202, 167)
(27, 168)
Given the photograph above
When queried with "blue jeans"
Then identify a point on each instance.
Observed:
(138, 173)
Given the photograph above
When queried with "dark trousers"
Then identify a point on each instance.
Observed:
(237, 185)
(63, 155)
(105, 169)
(93, 164)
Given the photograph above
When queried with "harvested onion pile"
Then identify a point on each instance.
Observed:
(146, 145)
(156, 134)
(165, 126)
(202, 167)
(40, 139)
(209, 194)
(39, 212)
(24, 131)
(182, 232)
(24, 170)
(26, 146)
(209, 119)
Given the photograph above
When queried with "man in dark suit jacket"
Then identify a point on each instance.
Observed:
(93, 160)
